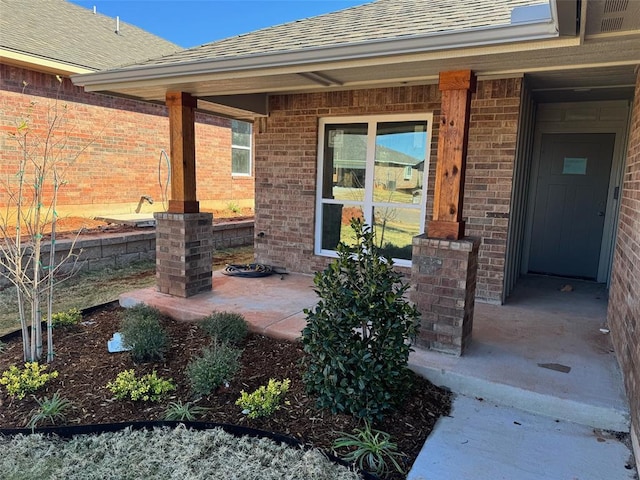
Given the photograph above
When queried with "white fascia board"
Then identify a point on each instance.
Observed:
(377, 48)
(26, 60)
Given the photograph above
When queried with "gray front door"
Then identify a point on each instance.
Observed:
(570, 204)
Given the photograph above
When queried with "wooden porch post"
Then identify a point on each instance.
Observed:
(444, 264)
(184, 240)
(456, 88)
(182, 153)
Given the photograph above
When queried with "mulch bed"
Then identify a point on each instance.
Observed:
(85, 366)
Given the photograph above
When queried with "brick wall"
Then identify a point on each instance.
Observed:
(624, 294)
(286, 157)
(444, 274)
(490, 166)
(124, 137)
(184, 253)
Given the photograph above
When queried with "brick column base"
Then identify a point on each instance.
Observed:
(184, 253)
(444, 280)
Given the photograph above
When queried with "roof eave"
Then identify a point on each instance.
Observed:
(518, 33)
(49, 65)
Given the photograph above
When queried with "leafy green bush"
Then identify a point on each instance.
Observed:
(357, 337)
(31, 378)
(63, 319)
(215, 365)
(149, 387)
(225, 326)
(371, 450)
(142, 332)
(178, 411)
(50, 410)
(265, 400)
(233, 207)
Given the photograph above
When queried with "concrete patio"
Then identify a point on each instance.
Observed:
(543, 353)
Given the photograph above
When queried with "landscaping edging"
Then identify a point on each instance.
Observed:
(108, 250)
(235, 430)
(68, 431)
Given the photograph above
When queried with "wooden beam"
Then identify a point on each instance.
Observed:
(182, 153)
(456, 88)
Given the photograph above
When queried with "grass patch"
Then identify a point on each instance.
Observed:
(102, 286)
(83, 290)
(165, 453)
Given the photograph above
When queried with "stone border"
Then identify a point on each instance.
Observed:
(106, 249)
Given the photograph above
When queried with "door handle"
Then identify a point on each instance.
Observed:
(601, 214)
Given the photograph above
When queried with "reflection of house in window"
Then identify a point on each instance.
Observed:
(396, 170)
(372, 169)
(349, 156)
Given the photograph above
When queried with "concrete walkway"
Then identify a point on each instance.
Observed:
(482, 441)
(543, 353)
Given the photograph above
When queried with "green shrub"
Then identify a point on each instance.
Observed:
(178, 411)
(233, 207)
(142, 332)
(225, 326)
(50, 410)
(357, 337)
(371, 450)
(216, 365)
(63, 319)
(265, 400)
(20, 382)
(149, 387)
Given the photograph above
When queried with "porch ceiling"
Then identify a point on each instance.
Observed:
(603, 64)
(609, 83)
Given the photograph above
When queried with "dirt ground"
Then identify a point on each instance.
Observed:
(74, 224)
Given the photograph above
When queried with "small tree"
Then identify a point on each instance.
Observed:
(357, 337)
(30, 213)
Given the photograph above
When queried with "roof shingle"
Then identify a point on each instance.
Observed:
(67, 33)
(375, 21)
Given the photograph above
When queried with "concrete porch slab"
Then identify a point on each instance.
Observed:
(540, 325)
(482, 441)
(271, 305)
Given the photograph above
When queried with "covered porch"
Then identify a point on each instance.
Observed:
(542, 352)
(538, 392)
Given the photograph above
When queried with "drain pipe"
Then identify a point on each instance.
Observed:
(143, 198)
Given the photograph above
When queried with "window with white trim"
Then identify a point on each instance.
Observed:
(240, 148)
(373, 168)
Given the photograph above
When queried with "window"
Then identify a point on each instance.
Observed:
(240, 148)
(373, 168)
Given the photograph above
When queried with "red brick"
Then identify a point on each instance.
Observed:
(624, 294)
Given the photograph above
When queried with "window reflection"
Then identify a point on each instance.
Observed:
(345, 158)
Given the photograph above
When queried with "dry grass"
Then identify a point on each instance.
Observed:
(164, 453)
(102, 286)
